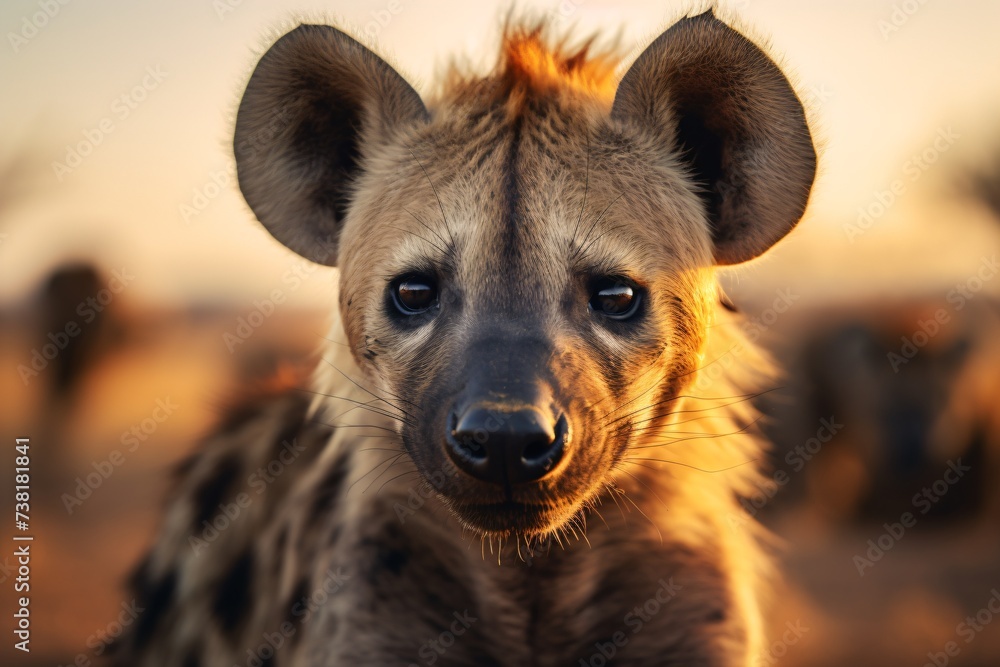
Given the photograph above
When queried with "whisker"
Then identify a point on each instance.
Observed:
(438, 198)
(392, 479)
(600, 236)
(596, 222)
(613, 494)
(742, 399)
(706, 436)
(688, 465)
(427, 241)
(586, 189)
(655, 495)
(646, 391)
(381, 428)
(593, 507)
(374, 468)
(651, 522)
(370, 393)
(384, 471)
(428, 228)
(362, 405)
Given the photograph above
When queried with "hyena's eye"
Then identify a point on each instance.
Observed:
(615, 298)
(414, 294)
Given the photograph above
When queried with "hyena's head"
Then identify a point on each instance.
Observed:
(526, 263)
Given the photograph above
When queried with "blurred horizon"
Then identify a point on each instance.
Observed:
(157, 191)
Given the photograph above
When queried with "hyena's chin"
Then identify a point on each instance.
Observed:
(514, 520)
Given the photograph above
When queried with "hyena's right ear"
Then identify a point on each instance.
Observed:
(317, 101)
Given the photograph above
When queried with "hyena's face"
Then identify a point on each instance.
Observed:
(525, 269)
(518, 320)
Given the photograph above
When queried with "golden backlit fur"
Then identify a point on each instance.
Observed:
(513, 194)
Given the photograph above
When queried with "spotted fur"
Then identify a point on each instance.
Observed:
(514, 190)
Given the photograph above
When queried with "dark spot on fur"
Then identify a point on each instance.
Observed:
(232, 598)
(293, 610)
(716, 616)
(192, 659)
(155, 599)
(393, 560)
(214, 490)
(279, 550)
(327, 492)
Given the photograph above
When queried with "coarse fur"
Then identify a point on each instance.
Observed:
(332, 527)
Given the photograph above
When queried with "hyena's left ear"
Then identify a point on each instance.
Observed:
(707, 91)
(317, 103)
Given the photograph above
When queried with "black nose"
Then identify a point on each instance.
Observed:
(506, 446)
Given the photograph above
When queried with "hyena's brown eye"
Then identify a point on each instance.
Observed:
(413, 295)
(614, 298)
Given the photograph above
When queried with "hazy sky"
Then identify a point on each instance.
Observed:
(877, 96)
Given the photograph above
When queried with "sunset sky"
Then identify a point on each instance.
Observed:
(879, 93)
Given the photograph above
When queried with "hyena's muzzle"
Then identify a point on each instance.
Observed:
(501, 423)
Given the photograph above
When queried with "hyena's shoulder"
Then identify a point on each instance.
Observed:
(234, 535)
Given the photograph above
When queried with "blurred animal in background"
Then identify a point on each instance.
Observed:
(912, 393)
(912, 385)
(63, 299)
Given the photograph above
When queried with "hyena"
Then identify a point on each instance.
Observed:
(531, 447)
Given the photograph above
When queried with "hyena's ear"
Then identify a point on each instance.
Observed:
(706, 90)
(316, 104)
